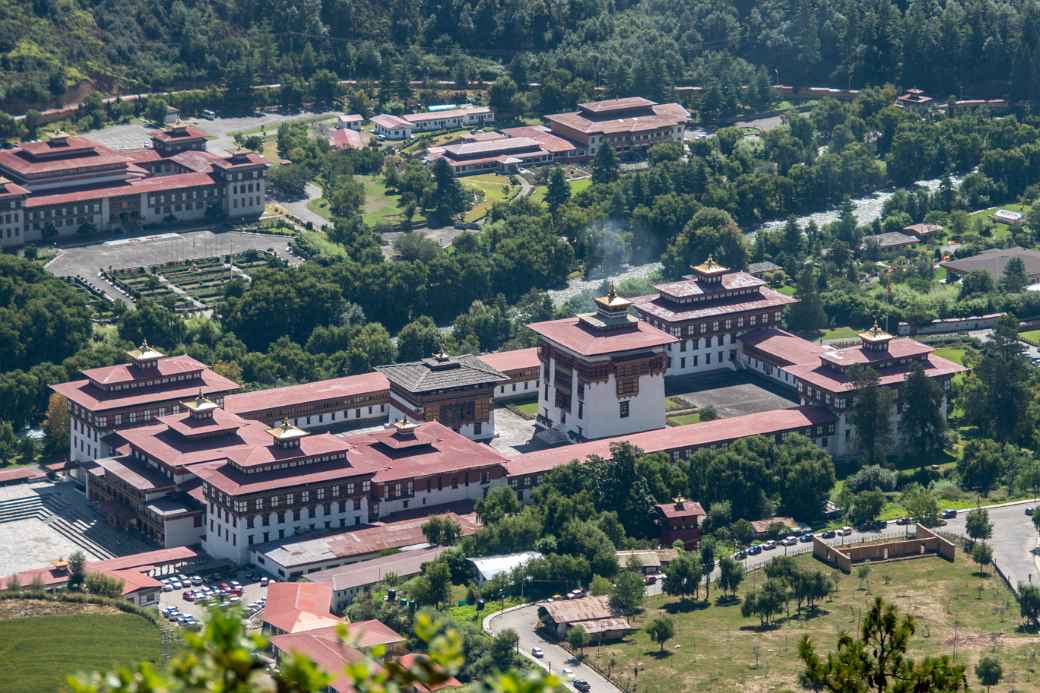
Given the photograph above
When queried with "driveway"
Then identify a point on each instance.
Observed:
(298, 208)
(523, 621)
(1014, 540)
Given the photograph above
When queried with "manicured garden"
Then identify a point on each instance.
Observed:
(491, 188)
(37, 653)
(715, 648)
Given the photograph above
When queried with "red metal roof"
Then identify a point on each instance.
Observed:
(323, 647)
(21, 473)
(835, 381)
(178, 181)
(391, 122)
(781, 347)
(624, 103)
(345, 138)
(548, 141)
(514, 360)
(184, 424)
(175, 450)
(665, 115)
(692, 286)
(574, 335)
(689, 509)
(186, 134)
(227, 479)
(295, 607)
(307, 393)
(127, 372)
(373, 632)
(671, 312)
(676, 437)
(435, 449)
(93, 398)
(898, 348)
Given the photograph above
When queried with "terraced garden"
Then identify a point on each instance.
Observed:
(191, 285)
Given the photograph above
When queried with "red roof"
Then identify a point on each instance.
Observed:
(515, 360)
(308, 393)
(295, 607)
(178, 134)
(143, 155)
(345, 138)
(93, 398)
(541, 134)
(689, 509)
(135, 473)
(662, 309)
(173, 449)
(9, 189)
(898, 348)
(21, 474)
(134, 581)
(431, 449)
(324, 648)
(373, 632)
(447, 113)
(184, 424)
(127, 372)
(179, 181)
(231, 481)
(572, 334)
(664, 115)
(391, 122)
(310, 446)
(196, 160)
(32, 158)
(676, 437)
(139, 562)
(781, 347)
(835, 381)
(623, 103)
(410, 660)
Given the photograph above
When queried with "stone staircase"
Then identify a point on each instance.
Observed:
(15, 509)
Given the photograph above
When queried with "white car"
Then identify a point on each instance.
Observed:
(537, 652)
(789, 541)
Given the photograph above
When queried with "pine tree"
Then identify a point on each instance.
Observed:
(605, 167)
(558, 191)
(923, 422)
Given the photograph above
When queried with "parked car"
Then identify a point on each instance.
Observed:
(167, 587)
(828, 534)
(208, 114)
(1029, 510)
(188, 596)
(905, 521)
(845, 531)
(805, 538)
(949, 513)
(740, 555)
(769, 545)
(537, 652)
(263, 581)
(754, 549)
(651, 579)
(196, 580)
(582, 685)
(789, 541)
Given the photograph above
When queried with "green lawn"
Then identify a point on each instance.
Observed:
(1030, 336)
(577, 186)
(839, 333)
(495, 188)
(381, 205)
(528, 410)
(38, 653)
(787, 290)
(683, 419)
(716, 649)
(675, 403)
(955, 354)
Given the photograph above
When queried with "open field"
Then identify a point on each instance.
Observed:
(839, 333)
(538, 194)
(716, 649)
(1030, 336)
(493, 188)
(528, 410)
(955, 354)
(683, 419)
(38, 652)
(381, 206)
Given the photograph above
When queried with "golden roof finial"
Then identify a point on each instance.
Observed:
(611, 291)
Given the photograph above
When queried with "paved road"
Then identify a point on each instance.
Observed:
(1014, 541)
(298, 208)
(524, 621)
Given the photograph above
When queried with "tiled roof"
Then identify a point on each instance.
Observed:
(225, 478)
(307, 393)
(127, 372)
(440, 373)
(665, 115)
(837, 382)
(135, 472)
(296, 607)
(675, 437)
(780, 346)
(431, 449)
(690, 286)
(898, 348)
(403, 564)
(85, 394)
(689, 509)
(670, 312)
(391, 122)
(548, 141)
(345, 138)
(515, 360)
(576, 336)
(323, 647)
(621, 104)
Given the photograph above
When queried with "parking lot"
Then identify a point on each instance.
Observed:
(730, 393)
(252, 591)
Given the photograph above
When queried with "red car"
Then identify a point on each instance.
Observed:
(651, 579)
(189, 596)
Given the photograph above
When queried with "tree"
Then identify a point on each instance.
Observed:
(56, 427)
(558, 190)
(497, 504)
(997, 392)
(921, 505)
(156, 110)
(1036, 520)
(600, 586)
(982, 554)
(812, 586)
(605, 166)
(871, 413)
(767, 602)
(1015, 278)
(503, 98)
(807, 316)
(77, 570)
(923, 423)
(661, 630)
(682, 577)
(448, 198)
(418, 339)
(877, 660)
(866, 507)
(731, 574)
(1029, 603)
(989, 671)
(441, 530)
(438, 577)
(981, 465)
(577, 638)
(707, 558)
(103, 585)
(346, 197)
(978, 525)
(627, 594)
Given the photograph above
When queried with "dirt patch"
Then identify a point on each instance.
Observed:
(29, 608)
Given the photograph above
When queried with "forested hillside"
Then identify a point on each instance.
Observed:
(977, 47)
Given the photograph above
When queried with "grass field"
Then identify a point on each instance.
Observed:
(955, 354)
(538, 194)
(38, 653)
(787, 290)
(715, 649)
(839, 333)
(528, 410)
(495, 188)
(1030, 336)
(381, 206)
(683, 419)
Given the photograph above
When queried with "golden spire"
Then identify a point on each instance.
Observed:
(611, 291)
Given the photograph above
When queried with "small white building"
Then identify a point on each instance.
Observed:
(602, 373)
(1006, 216)
(350, 121)
(392, 127)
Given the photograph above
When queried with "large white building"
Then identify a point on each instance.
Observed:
(602, 373)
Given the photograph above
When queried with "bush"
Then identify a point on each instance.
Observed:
(872, 478)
